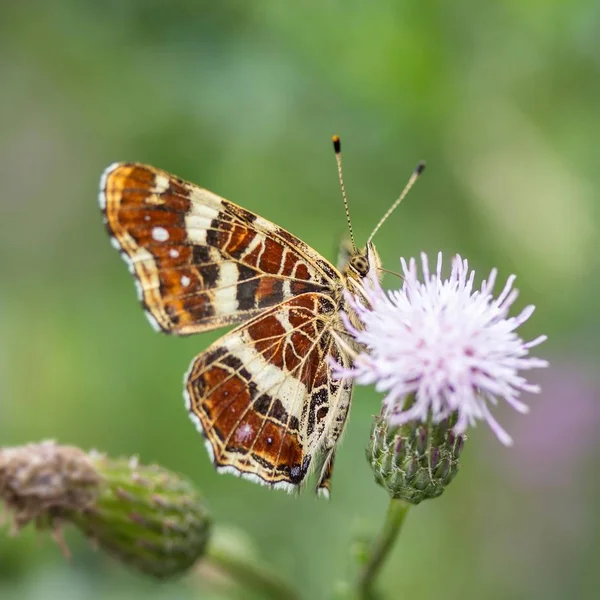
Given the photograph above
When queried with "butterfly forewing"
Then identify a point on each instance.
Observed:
(200, 261)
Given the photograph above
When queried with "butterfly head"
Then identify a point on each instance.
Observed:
(358, 264)
(363, 263)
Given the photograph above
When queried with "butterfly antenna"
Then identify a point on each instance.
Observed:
(337, 148)
(411, 181)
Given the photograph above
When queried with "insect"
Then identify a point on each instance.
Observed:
(263, 395)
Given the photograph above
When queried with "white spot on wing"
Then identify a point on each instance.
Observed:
(244, 433)
(161, 183)
(226, 291)
(200, 209)
(196, 232)
(185, 280)
(160, 234)
(173, 253)
(204, 208)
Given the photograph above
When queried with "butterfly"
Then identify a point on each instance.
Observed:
(263, 396)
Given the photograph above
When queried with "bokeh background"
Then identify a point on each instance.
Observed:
(501, 98)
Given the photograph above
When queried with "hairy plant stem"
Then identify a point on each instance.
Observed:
(380, 548)
(252, 576)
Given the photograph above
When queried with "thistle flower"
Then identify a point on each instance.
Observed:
(444, 345)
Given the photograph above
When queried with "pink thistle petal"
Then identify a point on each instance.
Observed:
(450, 345)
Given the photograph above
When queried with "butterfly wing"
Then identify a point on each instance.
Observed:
(200, 261)
(264, 397)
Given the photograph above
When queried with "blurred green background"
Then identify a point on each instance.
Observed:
(501, 98)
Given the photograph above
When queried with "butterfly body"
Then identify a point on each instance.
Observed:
(263, 395)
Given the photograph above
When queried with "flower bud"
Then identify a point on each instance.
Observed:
(416, 460)
(149, 518)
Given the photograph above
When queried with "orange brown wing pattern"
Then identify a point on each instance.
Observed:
(200, 261)
(264, 396)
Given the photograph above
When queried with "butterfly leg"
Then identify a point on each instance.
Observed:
(323, 488)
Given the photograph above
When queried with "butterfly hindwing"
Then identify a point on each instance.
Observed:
(264, 397)
(200, 261)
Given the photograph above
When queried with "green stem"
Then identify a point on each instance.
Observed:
(381, 546)
(262, 580)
